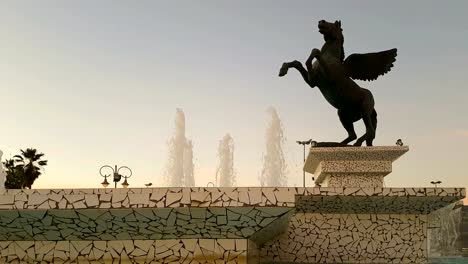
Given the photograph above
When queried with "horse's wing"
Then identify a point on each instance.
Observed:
(369, 66)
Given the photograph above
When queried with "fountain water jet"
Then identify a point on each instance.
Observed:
(445, 238)
(225, 172)
(179, 171)
(189, 180)
(274, 165)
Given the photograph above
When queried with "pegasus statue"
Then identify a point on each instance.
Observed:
(334, 75)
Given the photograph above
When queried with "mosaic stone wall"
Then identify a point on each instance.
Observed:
(353, 238)
(196, 197)
(148, 197)
(379, 200)
(125, 251)
(139, 223)
(101, 218)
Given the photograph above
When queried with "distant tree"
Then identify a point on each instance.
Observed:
(24, 169)
(14, 174)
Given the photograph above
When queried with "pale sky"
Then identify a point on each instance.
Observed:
(91, 83)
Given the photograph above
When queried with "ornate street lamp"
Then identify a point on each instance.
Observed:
(304, 143)
(105, 183)
(116, 175)
(436, 182)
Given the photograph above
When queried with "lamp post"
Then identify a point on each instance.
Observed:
(116, 176)
(436, 182)
(304, 143)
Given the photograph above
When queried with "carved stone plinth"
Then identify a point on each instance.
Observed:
(352, 166)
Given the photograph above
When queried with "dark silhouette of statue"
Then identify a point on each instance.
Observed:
(333, 75)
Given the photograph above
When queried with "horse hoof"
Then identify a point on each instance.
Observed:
(284, 70)
(315, 53)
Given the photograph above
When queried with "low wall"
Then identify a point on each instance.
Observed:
(350, 238)
(126, 251)
(223, 225)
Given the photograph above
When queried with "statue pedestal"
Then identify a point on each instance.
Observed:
(352, 166)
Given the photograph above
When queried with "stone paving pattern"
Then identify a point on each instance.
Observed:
(381, 200)
(100, 218)
(126, 251)
(353, 238)
(196, 197)
(147, 197)
(138, 223)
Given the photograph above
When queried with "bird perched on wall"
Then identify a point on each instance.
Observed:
(399, 142)
(148, 184)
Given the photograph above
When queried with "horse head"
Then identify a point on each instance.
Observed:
(332, 32)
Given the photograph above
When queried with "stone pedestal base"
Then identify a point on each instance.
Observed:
(365, 181)
(352, 166)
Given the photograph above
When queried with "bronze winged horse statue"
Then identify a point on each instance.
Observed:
(334, 75)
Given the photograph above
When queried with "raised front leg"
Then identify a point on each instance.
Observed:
(298, 66)
(316, 54)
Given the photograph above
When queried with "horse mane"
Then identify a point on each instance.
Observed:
(342, 53)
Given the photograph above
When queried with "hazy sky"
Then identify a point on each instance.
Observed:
(98, 82)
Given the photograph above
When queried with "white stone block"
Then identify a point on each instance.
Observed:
(139, 198)
(173, 198)
(91, 200)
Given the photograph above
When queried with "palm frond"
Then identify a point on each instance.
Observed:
(24, 169)
(18, 157)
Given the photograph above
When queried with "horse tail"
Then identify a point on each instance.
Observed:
(374, 119)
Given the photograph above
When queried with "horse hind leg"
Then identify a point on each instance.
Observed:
(370, 120)
(347, 123)
(369, 116)
(370, 132)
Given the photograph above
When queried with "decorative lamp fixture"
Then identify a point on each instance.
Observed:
(304, 143)
(116, 175)
(436, 182)
(105, 183)
(125, 183)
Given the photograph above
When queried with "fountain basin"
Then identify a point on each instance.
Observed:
(267, 222)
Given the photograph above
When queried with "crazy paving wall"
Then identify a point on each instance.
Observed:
(212, 225)
(350, 238)
(126, 251)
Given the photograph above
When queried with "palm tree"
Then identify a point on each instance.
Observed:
(24, 169)
(14, 174)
